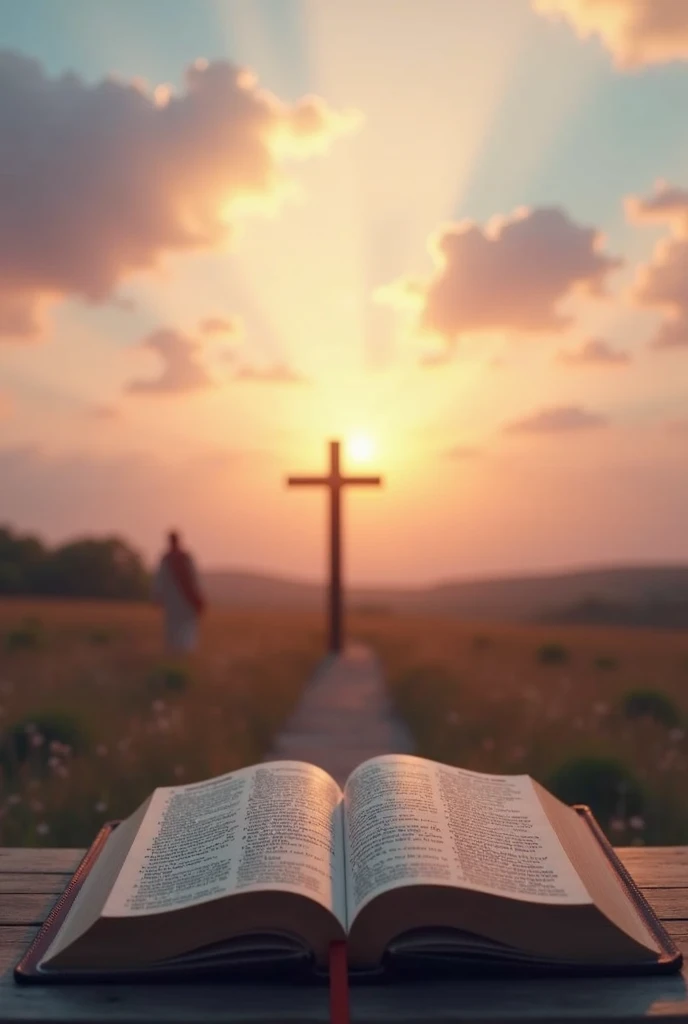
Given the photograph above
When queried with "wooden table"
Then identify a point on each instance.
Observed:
(30, 881)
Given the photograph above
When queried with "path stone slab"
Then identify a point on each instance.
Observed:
(344, 717)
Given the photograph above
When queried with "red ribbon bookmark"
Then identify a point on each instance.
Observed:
(339, 984)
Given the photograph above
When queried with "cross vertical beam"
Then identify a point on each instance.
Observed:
(335, 481)
(335, 594)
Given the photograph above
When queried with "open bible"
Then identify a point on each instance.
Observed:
(413, 863)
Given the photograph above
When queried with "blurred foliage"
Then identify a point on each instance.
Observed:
(606, 662)
(552, 654)
(606, 784)
(93, 567)
(651, 704)
(39, 736)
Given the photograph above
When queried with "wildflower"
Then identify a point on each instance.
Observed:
(37, 739)
(66, 749)
(36, 805)
(42, 828)
(158, 705)
(101, 750)
(13, 799)
(636, 822)
(53, 762)
(30, 727)
(163, 724)
(617, 825)
(62, 771)
(101, 807)
(676, 735)
(600, 707)
(55, 747)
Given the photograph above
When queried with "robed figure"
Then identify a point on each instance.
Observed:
(177, 589)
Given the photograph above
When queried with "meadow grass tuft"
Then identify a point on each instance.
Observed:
(89, 729)
(651, 704)
(26, 635)
(552, 654)
(606, 662)
(606, 784)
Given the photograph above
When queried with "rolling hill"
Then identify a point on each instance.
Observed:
(635, 595)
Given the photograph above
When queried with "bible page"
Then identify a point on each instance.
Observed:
(276, 825)
(409, 821)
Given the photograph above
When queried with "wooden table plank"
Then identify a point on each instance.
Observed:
(663, 866)
(48, 861)
(31, 880)
(16, 881)
(656, 866)
(24, 908)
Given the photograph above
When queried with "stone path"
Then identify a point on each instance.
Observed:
(343, 717)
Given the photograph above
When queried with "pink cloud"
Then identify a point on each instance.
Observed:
(182, 369)
(635, 32)
(102, 180)
(226, 325)
(103, 411)
(557, 420)
(276, 373)
(510, 276)
(662, 282)
(594, 351)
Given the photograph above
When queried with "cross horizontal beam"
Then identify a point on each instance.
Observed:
(327, 481)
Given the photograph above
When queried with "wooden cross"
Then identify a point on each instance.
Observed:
(335, 481)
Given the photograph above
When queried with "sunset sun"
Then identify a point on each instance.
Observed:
(361, 447)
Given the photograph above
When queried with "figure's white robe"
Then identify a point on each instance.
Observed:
(181, 619)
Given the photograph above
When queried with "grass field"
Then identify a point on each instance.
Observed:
(599, 715)
(93, 717)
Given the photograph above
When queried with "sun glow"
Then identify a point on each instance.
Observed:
(361, 448)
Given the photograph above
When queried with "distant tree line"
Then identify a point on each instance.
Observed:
(104, 567)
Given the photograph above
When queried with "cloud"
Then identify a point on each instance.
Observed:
(594, 351)
(182, 370)
(668, 204)
(635, 32)
(662, 283)
(557, 420)
(276, 373)
(102, 180)
(6, 406)
(103, 411)
(509, 276)
(227, 325)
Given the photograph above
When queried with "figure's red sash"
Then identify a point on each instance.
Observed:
(181, 571)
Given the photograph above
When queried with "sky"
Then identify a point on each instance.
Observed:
(453, 235)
